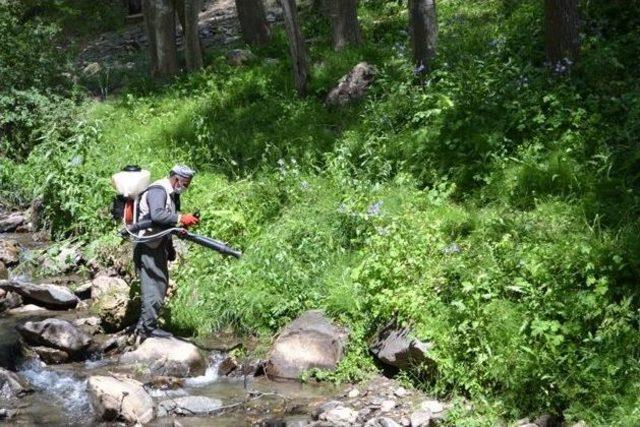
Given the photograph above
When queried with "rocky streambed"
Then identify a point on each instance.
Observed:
(66, 358)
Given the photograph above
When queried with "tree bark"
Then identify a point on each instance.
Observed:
(562, 33)
(424, 33)
(193, 48)
(165, 33)
(253, 22)
(148, 12)
(345, 29)
(297, 47)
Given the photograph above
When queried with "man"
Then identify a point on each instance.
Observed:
(160, 203)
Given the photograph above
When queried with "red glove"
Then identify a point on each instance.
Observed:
(189, 220)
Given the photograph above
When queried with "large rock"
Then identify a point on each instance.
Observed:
(13, 221)
(11, 385)
(9, 252)
(48, 295)
(310, 341)
(239, 57)
(340, 416)
(395, 346)
(120, 399)
(168, 356)
(51, 356)
(188, 406)
(113, 303)
(352, 86)
(9, 301)
(55, 333)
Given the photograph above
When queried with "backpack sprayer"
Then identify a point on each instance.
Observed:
(130, 183)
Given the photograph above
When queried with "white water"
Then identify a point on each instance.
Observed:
(210, 375)
(60, 387)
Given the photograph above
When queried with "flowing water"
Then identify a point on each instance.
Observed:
(60, 397)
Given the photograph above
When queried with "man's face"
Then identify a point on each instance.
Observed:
(181, 184)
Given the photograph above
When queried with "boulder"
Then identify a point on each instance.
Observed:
(239, 57)
(47, 295)
(168, 356)
(188, 406)
(13, 221)
(120, 399)
(395, 346)
(11, 300)
(67, 259)
(310, 341)
(83, 291)
(55, 333)
(90, 325)
(9, 252)
(11, 385)
(352, 86)
(51, 356)
(113, 303)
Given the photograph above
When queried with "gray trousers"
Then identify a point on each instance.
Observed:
(152, 269)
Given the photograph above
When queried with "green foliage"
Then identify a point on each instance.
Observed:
(494, 208)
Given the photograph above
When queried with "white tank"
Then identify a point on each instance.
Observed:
(131, 183)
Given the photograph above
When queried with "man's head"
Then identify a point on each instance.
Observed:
(180, 178)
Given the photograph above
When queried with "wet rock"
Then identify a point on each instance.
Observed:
(13, 221)
(11, 300)
(227, 366)
(55, 333)
(113, 303)
(115, 344)
(239, 57)
(381, 422)
(9, 252)
(353, 86)
(51, 356)
(121, 398)
(90, 325)
(83, 291)
(340, 416)
(47, 295)
(188, 406)
(29, 308)
(310, 341)
(7, 414)
(168, 356)
(394, 346)
(12, 386)
(421, 418)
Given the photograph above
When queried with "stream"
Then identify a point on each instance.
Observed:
(60, 394)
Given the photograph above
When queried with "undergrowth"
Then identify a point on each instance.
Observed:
(494, 209)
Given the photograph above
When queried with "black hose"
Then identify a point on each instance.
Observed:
(210, 243)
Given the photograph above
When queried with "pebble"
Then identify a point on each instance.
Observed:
(401, 392)
(421, 419)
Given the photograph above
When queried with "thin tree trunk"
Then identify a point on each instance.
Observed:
(562, 33)
(253, 22)
(297, 47)
(345, 29)
(193, 48)
(424, 33)
(148, 12)
(166, 37)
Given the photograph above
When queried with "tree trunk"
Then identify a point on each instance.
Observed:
(562, 33)
(297, 47)
(193, 48)
(424, 33)
(165, 32)
(345, 29)
(253, 22)
(148, 12)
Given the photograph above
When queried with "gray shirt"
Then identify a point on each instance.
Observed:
(159, 214)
